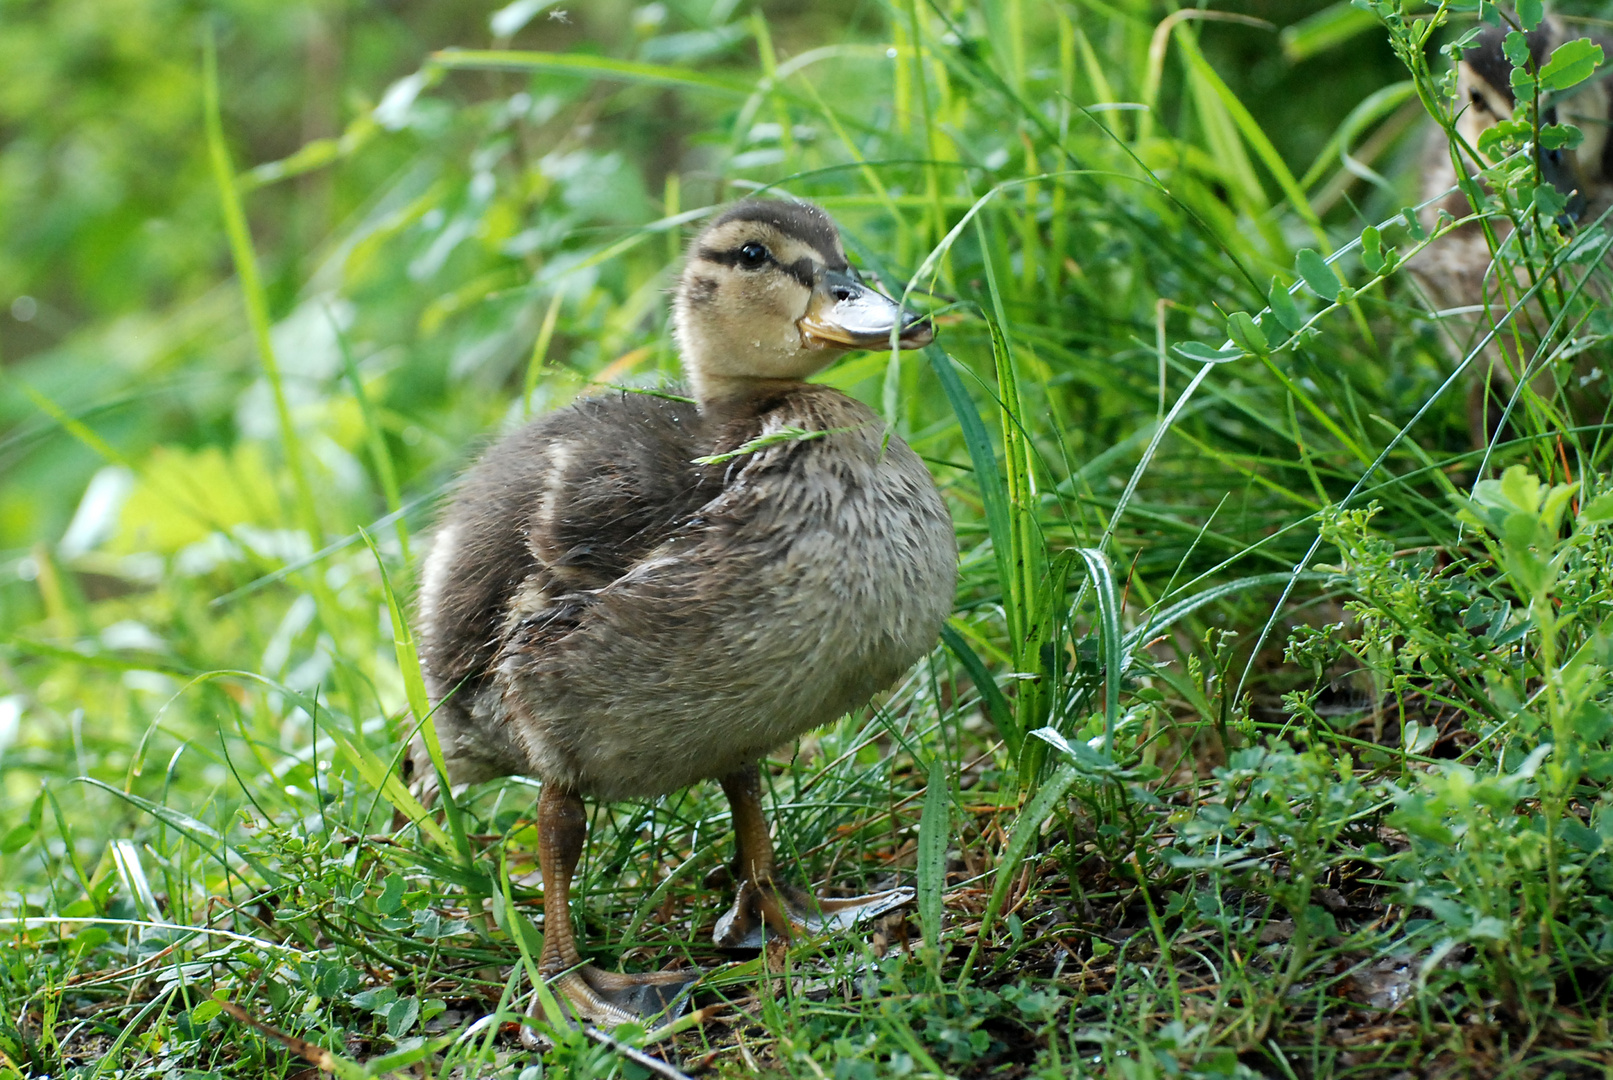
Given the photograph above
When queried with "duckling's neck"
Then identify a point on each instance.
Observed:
(724, 395)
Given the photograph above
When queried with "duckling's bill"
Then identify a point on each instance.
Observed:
(846, 314)
(1557, 168)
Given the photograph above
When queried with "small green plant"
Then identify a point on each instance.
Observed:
(1510, 646)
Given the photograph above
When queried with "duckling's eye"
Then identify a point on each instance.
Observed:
(1478, 100)
(752, 255)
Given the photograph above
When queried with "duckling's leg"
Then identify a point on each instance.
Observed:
(605, 998)
(763, 899)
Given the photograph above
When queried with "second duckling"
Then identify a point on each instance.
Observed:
(1457, 272)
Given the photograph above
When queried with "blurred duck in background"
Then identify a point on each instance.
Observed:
(1458, 272)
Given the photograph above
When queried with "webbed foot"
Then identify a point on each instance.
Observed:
(608, 998)
(774, 909)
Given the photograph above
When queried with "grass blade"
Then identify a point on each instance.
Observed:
(1326, 29)
(996, 705)
(126, 858)
(592, 67)
(935, 830)
(988, 475)
(1022, 562)
(1252, 134)
(1155, 623)
(252, 293)
(420, 704)
(1103, 585)
(379, 454)
(1026, 830)
(197, 832)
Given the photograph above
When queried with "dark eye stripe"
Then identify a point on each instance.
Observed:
(800, 269)
(722, 258)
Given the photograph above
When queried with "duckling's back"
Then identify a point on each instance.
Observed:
(600, 609)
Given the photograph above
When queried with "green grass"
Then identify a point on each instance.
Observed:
(1271, 733)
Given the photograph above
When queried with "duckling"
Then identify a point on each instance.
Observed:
(636, 593)
(1455, 272)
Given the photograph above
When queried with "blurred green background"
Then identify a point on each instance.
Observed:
(115, 273)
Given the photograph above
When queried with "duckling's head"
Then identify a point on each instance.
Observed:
(1484, 97)
(1484, 79)
(766, 295)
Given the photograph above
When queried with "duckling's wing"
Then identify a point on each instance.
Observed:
(623, 479)
(813, 578)
(565, 505)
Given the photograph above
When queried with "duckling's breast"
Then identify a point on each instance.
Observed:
(819, 573)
